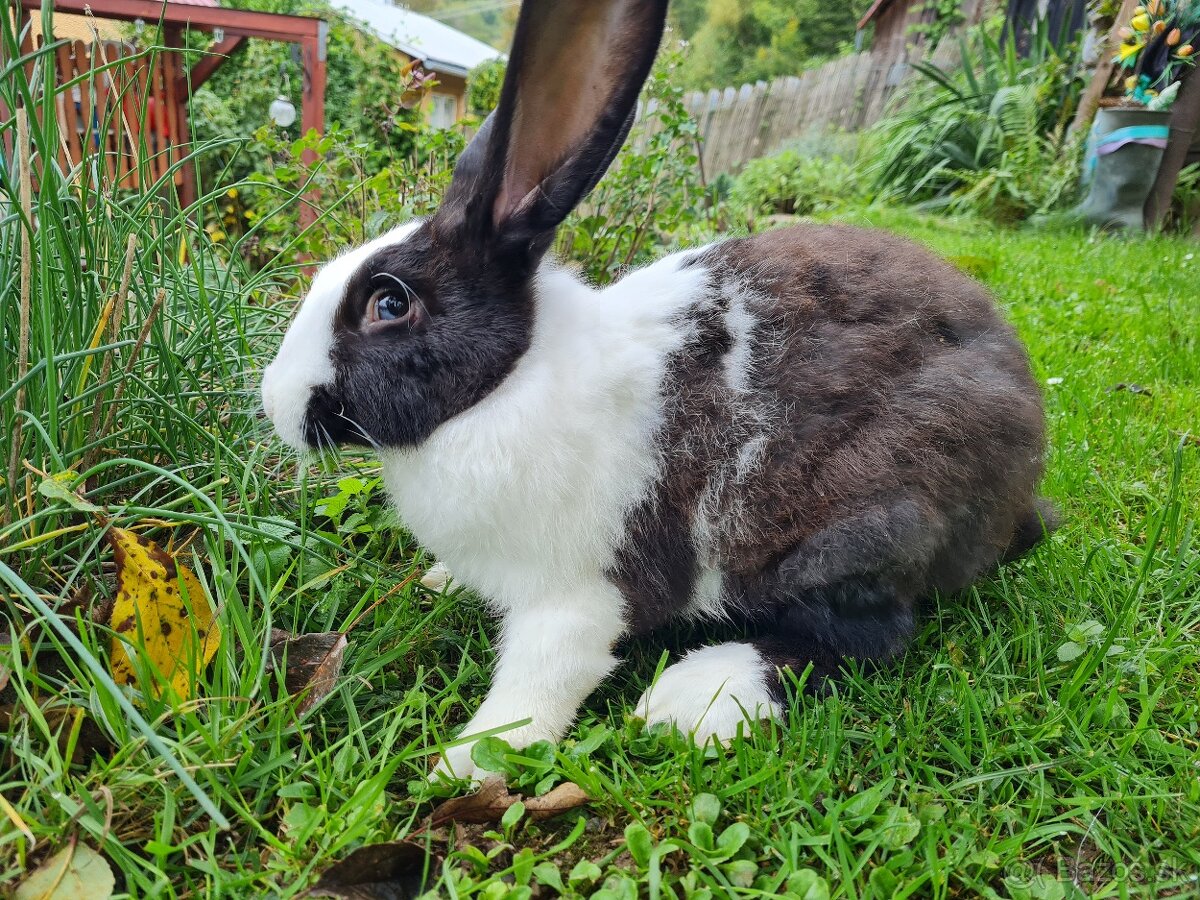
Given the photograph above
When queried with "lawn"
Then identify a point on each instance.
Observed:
(1041, 739)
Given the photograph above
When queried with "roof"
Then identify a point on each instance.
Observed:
(876, 8)
(439, 47)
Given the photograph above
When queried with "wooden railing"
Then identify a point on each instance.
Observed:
(121, 110)
(121, 114)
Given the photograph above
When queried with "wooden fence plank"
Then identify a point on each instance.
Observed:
(70, 124)
(107, 122)
(851, 93)
(168, 64)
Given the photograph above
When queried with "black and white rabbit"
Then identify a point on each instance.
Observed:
(801, 432)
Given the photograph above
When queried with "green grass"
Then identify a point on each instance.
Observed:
(981, 763)
(1040, 739)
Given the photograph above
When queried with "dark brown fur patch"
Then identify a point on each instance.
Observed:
(901, 430)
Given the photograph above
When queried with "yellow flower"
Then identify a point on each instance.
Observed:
(1128, 50)
(231, 193)
(1154, 7)
(1174, 37)
(1130, 82)
(1140, 23)
(1159, 27)
(1139, 10)
(1184, 52)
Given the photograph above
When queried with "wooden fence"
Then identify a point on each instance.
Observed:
(121, 113)
(847, 94)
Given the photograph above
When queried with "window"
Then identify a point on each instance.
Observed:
(443, 111)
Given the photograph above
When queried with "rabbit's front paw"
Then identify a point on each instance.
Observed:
(457, 761)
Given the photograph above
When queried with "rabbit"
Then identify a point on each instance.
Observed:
(800, 433)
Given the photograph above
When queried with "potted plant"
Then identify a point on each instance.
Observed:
(1130, 131)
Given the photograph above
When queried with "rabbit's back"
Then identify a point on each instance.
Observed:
(845, 402)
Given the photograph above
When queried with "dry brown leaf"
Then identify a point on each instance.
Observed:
(489, 803)
(150, 613)
(312, 663)
(479, 808)
(560, 799)
(392, 871)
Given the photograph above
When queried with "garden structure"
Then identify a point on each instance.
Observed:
(111, 84)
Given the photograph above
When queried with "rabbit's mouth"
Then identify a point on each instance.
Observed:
(328, 422)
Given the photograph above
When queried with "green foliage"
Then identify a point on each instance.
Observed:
(938, 18)
(791, 182)
(989, 137)
(530, 770)
(483, 86)
(1185, 205)
(367, 95)
(491, 22)
(743, 42)
(653, 197)
(119, 284)
(359, 197)
(1037, 741)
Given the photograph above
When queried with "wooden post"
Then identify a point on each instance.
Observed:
(1185, 118)
(177, 115)
(218, 54)
(1089, 101)
(312, 110)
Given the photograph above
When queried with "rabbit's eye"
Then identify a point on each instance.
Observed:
(388, 306)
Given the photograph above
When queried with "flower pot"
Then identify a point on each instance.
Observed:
(1124, 150)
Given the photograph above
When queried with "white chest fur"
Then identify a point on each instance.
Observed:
(526, 493)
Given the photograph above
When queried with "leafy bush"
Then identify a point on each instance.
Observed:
(990, 137)
(793, 182)
(483, 86)
(367, 94)
(734, 42)
(1185, 204)
(653, 198)
(356, 197)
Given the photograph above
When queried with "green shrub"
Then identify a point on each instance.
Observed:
(358, 197)
(483, 86)
(990, 137)
(367, 94)
(792, 182)
(654, 198)
(1185, 205)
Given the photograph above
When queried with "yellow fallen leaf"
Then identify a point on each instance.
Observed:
(178, 636)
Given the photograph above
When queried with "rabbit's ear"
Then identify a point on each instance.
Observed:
(566, 106)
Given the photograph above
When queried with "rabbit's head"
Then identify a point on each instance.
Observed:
(406, 332)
